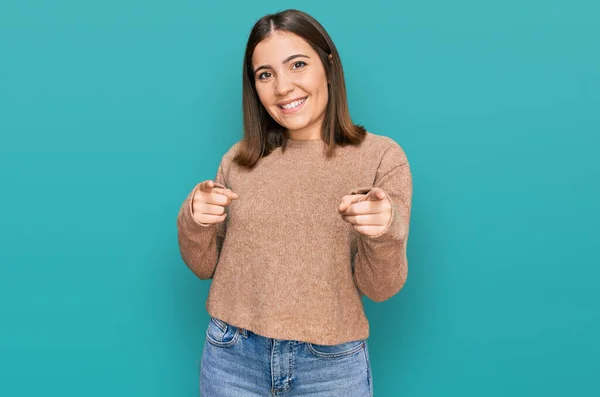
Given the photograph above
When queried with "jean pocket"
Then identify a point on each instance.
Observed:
(221, 334)
(336, 351)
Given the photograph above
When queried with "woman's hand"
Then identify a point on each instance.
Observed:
(209, 202)
(369, 213)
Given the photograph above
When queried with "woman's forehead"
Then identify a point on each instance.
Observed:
(278, 46)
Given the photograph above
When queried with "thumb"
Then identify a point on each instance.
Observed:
(349, 200)
(230, 193)
(375, 194)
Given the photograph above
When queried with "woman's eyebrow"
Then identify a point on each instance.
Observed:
(286, 60)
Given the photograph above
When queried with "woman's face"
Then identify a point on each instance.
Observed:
(291, 83)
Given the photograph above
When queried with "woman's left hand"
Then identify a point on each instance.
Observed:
(369, 213)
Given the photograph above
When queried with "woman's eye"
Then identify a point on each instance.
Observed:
(263, 75)
(299, 63)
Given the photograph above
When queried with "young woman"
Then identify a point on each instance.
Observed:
(307, 213)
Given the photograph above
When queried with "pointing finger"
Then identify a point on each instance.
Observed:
(210, 186)
(207, 186)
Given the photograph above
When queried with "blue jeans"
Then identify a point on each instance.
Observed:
(239, 363)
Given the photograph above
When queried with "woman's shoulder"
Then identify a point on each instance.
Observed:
(382, 144)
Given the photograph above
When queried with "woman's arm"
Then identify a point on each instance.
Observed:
(380, 264)
(199, 243)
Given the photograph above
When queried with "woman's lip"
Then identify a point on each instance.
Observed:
(293, 110)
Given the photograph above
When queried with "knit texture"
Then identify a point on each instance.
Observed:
(284, 264)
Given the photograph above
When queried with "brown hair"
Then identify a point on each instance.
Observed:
(262, 134)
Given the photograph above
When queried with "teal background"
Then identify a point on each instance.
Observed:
(110, 112)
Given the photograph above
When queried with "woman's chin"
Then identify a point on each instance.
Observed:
(291, 124)
(294, 126)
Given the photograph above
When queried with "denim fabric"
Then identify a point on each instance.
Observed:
(239, 363)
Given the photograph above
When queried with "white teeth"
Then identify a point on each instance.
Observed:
(293, 104)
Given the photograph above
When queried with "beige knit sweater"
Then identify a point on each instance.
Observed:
(284, 264)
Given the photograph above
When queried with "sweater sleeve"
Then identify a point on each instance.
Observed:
(199, 243)
(380, 263)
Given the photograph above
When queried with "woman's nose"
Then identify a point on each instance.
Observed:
(283, 85)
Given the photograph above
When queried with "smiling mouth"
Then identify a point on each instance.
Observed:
(293, 105)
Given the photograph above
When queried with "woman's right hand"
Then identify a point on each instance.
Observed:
(209, 202)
